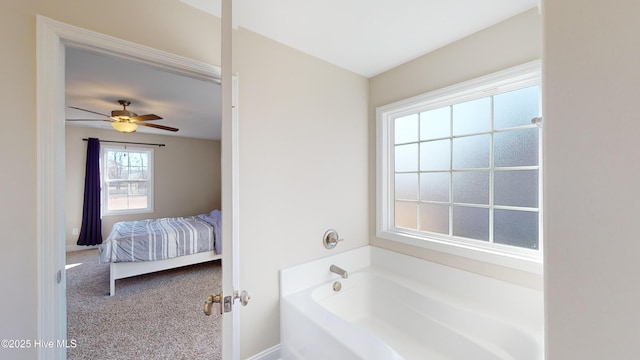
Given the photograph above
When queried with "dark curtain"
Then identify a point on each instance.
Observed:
(91, 230)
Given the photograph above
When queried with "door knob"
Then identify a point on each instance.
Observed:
(244, 297)
(208, 304)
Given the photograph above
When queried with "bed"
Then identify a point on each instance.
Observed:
(144, 246)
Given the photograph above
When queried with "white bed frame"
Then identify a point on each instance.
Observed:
(121, 270)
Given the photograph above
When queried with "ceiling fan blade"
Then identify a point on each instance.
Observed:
(88, 120)
(93, 112)
(157, 126)
(146, 117)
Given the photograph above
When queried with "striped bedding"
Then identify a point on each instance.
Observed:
(156, 239)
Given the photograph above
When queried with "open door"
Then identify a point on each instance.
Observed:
(52, 39)
(229, 295)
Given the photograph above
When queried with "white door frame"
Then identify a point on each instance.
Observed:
(52, 39)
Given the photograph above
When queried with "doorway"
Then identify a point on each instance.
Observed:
(53, 38)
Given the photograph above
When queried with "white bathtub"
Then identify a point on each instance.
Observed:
(397, 307)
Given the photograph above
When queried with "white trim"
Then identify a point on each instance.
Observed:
(52, 37)
(272, 353)
(101, 43)
(513, 78)
(51, 311)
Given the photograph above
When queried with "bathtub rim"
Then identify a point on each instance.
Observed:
(525, 305)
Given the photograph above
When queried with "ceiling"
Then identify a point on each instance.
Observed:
(97, 81)
(366, 37)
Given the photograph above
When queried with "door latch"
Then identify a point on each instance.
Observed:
(228, 303)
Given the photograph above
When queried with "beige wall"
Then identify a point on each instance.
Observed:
(592, 179)
(186, 176)
(303, 170)
(513, 42)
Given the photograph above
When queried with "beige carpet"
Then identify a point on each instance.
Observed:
(153, 316)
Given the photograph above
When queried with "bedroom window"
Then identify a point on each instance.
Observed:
(127, 178)
(459, 169)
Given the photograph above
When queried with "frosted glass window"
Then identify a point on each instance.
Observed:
(463, 165)
(471, 152)
(406, 215)
(516, 188)
(435, 155)
(517, 228)
(406, 129)
(434, 218)
(434, 186)
(435, 123)
(472, 117)
(406, 157)
(470, 222)
(516, 108)
(406, 186)
(516, 147)
(471, 187)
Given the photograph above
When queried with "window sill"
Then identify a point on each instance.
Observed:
(522, 262)
(128, 212)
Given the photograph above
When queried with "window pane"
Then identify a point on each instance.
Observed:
(516, 188)
(516, 147)
(406, 129)
(516, 108)
(435, 155)
(117, 201)
(137, 173)
(472, 117)
(435, 123)
(406, 157)
(471, 187)
(138, 202)
(434, 218)
(471, 222)
(406, 186)
(517, 228)
(434, 187)
(406, 215)
(471, 152)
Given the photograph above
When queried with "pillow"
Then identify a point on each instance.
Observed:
(215, 214)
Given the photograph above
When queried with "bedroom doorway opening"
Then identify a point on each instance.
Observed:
(54, 40)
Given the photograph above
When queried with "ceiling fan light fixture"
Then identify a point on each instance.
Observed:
(125, 127)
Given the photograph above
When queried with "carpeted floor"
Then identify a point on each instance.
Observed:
(153, 316)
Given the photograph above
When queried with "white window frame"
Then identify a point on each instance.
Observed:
(521, 76)
(104, 193)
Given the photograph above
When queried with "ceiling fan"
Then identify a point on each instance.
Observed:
(126, 121)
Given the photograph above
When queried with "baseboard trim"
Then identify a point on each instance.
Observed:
(78, 247)
(272, 353)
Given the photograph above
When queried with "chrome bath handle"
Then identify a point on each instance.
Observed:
(330, 239)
